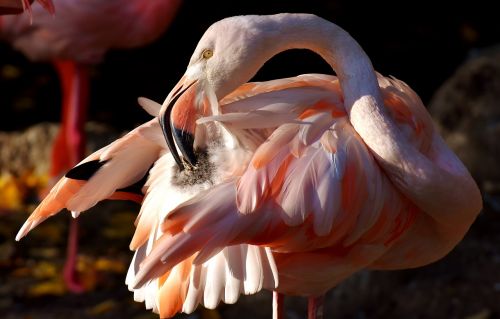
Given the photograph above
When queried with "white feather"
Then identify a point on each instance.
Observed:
(150, 106)
(234, 272)
(215, 281)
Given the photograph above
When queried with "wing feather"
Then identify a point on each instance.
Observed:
(126, 161)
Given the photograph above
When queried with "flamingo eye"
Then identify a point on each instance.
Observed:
(207, 54)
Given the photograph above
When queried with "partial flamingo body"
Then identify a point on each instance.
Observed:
(80, 35)
(290, 185)
(19, 6)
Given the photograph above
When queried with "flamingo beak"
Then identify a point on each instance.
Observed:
(178, 121)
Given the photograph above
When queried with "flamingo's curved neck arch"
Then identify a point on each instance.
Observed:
(435, 182)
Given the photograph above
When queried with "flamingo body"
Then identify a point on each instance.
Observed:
(290, 185)
(19, 6)
(80, 35)
(83, 31)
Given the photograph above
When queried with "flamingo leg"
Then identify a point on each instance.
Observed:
(278, 300)
(315, 307)
(69, 148)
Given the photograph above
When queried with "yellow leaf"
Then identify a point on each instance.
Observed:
(109, 265)
(34, 181)
(52, 287)
(102, 308)
(11, 192)
(45, 270)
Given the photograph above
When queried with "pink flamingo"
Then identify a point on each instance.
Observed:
(19, 6)
(290, 185)
(77, 37)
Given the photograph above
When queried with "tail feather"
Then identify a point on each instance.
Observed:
(217, 271)
(235, 270)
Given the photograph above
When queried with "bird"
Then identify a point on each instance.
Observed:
(19, 6)
(290, 185)
(73, 40)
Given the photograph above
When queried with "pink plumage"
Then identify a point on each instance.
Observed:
(19, 6)
(83, 31)
(290, 185)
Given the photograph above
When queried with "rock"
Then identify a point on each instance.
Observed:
(29, 150)
(467, 111)
(25, 161)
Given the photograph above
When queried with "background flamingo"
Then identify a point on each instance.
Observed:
(18, 6)
(77, 37)
(324, 176)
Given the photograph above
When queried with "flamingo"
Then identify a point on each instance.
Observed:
(19, 6)
(76, 38)
(291, 185)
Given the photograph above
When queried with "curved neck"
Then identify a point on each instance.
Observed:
(345, 56)
(435, 182)
(361, 92)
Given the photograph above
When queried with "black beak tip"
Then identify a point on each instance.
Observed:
(165, 126)
(184, 139)
(185, 142)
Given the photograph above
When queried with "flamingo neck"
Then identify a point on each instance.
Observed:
(435, 182)
(362, 97)
(345, 56)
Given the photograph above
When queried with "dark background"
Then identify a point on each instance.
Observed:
(420, 42)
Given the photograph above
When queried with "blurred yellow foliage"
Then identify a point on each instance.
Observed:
(121, 226)
(87, 273)
(102, 308)
(10, 72)
(109, 265)
(35, 181)
(48, 279)
(13, 190)
(50, 287)
(45, 270)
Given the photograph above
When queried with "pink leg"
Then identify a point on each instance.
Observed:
(278, 300)
(70, 274)
(315, 307)
(69, 148)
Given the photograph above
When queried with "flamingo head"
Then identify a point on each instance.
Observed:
(228, 55)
